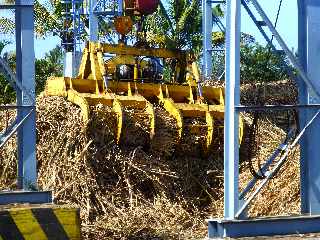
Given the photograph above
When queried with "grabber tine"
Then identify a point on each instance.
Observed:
(150, 111)
(170, 107)
(117, 108)
(210, 125)
(138, 102)
(76, 98)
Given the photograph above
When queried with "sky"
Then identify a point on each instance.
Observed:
(287, 22)
(287, 26)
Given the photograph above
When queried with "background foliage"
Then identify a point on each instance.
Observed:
(50, 65)
(259, 64)
(180, 22)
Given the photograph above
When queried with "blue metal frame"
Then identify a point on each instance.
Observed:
(25, 123)
(303, 99)
(263, 226)
(32, 197)
(27, 170)
(93, 22)
(208, 21)
(95, 11)
(72, 41)
(309, 32)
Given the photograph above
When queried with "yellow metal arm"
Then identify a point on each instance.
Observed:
(122, 49)
(184, 99)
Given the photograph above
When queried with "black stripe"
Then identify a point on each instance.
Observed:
(8, 228)
(50, 223)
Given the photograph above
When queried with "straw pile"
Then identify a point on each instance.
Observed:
(136, 131)
(116, 185)
(165, 140)
(141, 190)
(281, 195)
(271, 93)
(8, 153)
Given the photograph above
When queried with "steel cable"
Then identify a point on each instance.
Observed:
(254, 126)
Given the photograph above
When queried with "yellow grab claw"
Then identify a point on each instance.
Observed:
(182, 100)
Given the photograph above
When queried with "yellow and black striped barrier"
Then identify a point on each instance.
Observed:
(39, 223)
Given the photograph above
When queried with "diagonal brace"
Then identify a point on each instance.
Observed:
(12, 129)
(283, 45)
(277, 166)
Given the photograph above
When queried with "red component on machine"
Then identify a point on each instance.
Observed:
(144, 7)
(123, 24)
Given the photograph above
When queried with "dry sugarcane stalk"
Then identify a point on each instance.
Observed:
(167, 189)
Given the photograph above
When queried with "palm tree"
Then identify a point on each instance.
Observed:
(50, 65)
(7, 93)
(48, 18)
(54, 60)
(180, 25)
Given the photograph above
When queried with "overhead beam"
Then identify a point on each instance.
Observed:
(149, 52)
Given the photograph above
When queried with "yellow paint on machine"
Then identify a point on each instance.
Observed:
(70, 221)
(181, 95)
(27, 224)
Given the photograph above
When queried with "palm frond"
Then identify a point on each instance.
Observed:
(7, 2)
(164, 12)
(7, 26)
(217, 11)
(186, 13)
(45, 21)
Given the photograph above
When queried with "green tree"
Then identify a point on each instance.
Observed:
(181, 26)
(50, 65)
(218, 57)
(48, 18)
(260, 64)
(48, 21)
(7, 93)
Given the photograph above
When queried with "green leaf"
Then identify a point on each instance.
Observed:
(7, 26)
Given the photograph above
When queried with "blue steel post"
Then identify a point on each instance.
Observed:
(93, 21)
(68, 65)
(303, 99)
(231, 128)
(207, 37)
(120, 7)
(27, 169)
(309, 53)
